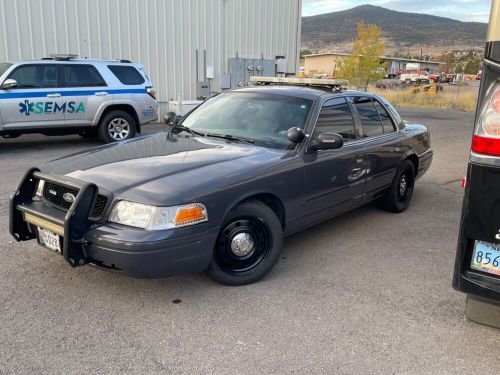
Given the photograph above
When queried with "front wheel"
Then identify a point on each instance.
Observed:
(117, 126)
(398, 197)
(248, 246)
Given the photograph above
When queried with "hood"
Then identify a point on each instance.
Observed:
(161, 164)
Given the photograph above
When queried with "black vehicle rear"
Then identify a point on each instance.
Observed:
(477, 264)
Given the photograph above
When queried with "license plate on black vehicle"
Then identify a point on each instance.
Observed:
(486, 257)
(49, 239)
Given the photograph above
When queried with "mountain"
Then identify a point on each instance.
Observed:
(401, 30)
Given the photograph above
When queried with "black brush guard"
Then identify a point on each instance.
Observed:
(75, 221)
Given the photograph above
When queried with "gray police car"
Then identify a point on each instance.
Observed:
(221, 190)
(60, 95)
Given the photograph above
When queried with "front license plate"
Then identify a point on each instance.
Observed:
(486, 258)
(49, 239)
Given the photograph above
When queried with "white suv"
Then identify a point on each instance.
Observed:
(110, 99)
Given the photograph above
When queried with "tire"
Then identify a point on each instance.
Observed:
(248, 246)
(398, 197)
(408, 81)
(117, 126)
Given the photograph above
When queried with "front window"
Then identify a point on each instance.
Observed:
(264, 118)
(35, 76)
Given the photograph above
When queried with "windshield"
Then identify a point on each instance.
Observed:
(264, 118)
(4, 67)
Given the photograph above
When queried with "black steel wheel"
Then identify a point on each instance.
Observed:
(248, 245)
(398, 197)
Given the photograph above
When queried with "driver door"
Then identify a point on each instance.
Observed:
(334, 179)
(36, 101)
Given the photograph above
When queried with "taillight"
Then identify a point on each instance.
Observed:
(151, 92)
(486, 139)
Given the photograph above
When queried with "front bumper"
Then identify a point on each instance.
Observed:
(130, 251)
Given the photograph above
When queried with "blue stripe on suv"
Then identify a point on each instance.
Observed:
(41, 94)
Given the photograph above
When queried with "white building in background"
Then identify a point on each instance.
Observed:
(180, 42)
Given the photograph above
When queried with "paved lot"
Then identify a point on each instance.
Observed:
(368, 292)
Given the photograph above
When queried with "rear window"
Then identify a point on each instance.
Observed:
(128, 75)
(81, 75)
(368, 114)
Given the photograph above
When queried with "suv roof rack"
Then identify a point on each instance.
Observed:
(329, 84)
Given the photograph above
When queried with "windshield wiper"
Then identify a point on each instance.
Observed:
(230, 137)
(186, 129)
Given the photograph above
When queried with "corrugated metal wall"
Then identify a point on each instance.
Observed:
(161, 34)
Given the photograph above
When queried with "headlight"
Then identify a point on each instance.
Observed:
(157, 218)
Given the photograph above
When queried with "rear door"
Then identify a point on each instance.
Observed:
(334, 179)
(381, 143)
(85, 91)
(36, 102)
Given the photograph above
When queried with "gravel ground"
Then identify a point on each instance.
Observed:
(367, 292)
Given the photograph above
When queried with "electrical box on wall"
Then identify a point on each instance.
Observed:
(210, 72)
(202, 89)
(225, 81)
(242, 69)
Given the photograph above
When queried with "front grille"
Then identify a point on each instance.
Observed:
(99, 207)
(54, 193)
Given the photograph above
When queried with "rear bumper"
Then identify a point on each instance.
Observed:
(480, 221)
(130, 251)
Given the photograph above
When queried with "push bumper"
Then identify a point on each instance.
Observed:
(130, 251)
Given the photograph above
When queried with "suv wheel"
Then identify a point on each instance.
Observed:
(248, 245)
(117, 126)
(398, 197)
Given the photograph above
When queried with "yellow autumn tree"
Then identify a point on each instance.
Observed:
(364, 66)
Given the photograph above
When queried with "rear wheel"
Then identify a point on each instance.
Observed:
(117, 126)
(398, 197)
(248, 246)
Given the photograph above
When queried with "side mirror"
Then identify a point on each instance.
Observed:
(8, 84)
(169, 118)
(328, 141)
(295, 135)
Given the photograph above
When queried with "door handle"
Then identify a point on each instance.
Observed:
(355, 170)
(53, 95)
(101, 93)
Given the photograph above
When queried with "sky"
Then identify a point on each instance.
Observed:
(463, 10)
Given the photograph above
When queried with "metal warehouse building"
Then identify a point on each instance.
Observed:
(180, 42)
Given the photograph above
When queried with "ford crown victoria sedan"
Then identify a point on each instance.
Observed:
(220, 190)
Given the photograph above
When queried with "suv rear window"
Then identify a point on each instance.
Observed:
(81, 75)
(128, 75)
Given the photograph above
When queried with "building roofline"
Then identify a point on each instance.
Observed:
(382, 57)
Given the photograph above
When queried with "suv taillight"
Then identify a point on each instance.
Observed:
(486, 139)
(151, 92)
